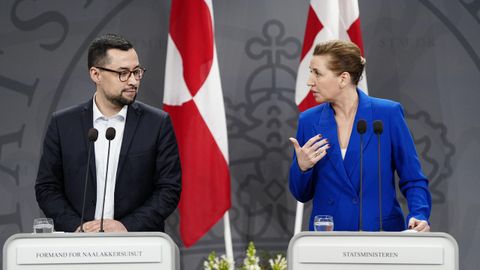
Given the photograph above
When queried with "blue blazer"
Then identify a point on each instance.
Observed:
(148, 183)
(334, 183)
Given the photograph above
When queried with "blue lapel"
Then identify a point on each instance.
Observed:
(327, 126)
(352, 158)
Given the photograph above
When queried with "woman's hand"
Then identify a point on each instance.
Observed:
(418, 225)
(311, 152)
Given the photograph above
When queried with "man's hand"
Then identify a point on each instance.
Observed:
(109, 225)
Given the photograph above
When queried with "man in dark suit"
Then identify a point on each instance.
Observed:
(144, 177)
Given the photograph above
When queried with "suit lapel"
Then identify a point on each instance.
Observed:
(352, 158)
(134, 114)
(87, 124)
(328, 128)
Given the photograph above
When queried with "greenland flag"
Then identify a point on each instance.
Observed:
(327, 19)
(193, 98)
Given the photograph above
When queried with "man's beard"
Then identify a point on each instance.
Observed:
(120, 100)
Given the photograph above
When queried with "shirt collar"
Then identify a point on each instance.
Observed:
(97, 114)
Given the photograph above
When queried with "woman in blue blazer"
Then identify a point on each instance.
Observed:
(326, 162)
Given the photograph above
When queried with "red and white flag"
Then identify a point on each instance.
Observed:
(327, 19)
(193, 98)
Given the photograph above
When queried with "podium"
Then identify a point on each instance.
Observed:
(372, 250)
(102, 251)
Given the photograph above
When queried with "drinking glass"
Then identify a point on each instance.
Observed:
(43, 225)
(323, 223)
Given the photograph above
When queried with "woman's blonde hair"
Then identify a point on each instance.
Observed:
(345, 56)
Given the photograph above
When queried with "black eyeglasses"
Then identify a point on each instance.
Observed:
(124, 75)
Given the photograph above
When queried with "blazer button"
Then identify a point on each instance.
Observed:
(355, 200)
(331, 201)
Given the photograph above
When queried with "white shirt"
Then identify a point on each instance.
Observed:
(101, 123)
(344, 152)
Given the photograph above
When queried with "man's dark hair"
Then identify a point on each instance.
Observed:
(97, 52)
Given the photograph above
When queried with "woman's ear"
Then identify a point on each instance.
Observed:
(345, 79)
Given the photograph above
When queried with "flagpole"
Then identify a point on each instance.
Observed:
(298, 218)
(228, 238)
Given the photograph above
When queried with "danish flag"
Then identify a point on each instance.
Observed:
(327, 19)
(193, 98)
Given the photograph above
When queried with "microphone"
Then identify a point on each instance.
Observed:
(378, 129)
(361, 129)
(92, 137)
(109, 135)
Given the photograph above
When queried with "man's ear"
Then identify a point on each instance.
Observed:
(95, 74)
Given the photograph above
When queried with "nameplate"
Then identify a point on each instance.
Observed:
(134, 253)
(343, 254)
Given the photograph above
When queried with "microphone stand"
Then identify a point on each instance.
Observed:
(92, 137)
(110, 135)
(378, 129)
(361, 184)
(361, 129)
(105, 189)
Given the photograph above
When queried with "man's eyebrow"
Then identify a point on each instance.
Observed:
(126, 68)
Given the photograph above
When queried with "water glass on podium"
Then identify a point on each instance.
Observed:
(323, 223)
(43, 225)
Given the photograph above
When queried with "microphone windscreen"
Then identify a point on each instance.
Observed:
(110, 133)
(378, 127)
(361, 126)
(92, 134)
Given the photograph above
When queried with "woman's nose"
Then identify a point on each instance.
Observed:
(310, 81)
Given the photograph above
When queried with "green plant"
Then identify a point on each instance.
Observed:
(251, 261)
(215, 263)
(280, 263)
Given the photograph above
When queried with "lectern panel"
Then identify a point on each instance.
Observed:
(372, 250)
(90, 251)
